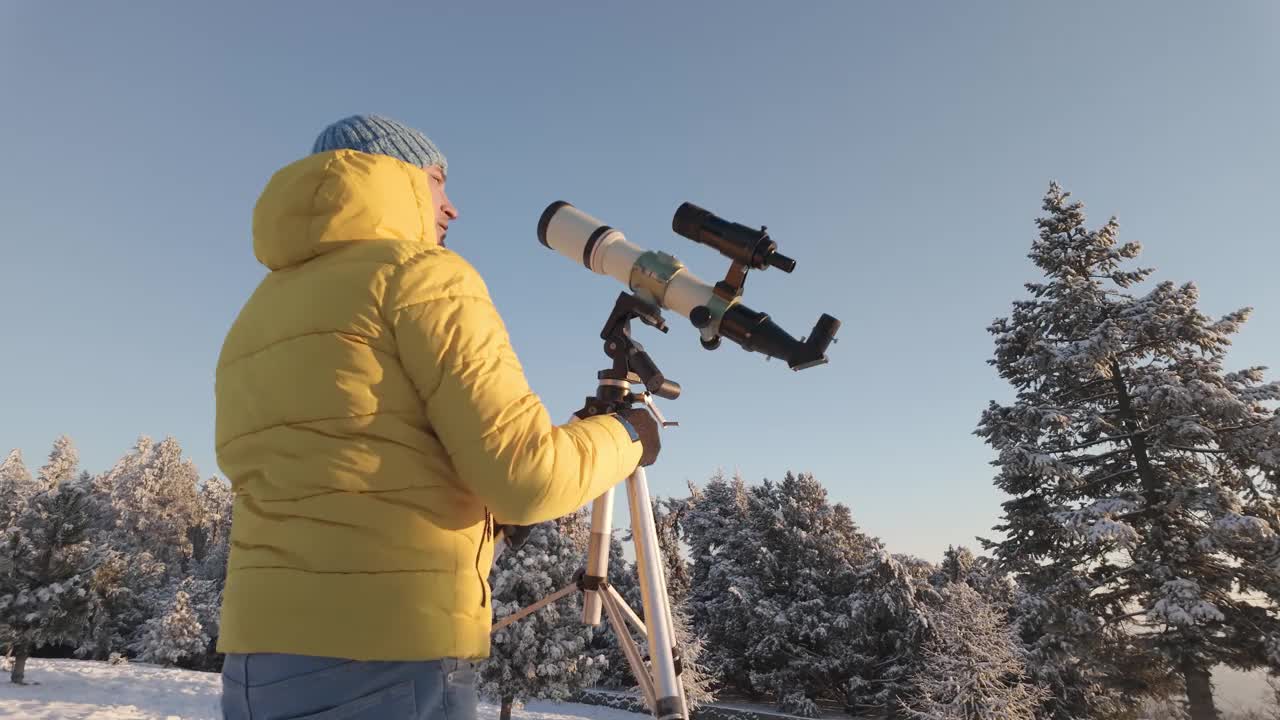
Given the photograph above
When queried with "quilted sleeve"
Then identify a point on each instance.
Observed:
(498, 433)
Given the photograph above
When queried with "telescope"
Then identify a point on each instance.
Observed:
(658, 280)
(662, 279)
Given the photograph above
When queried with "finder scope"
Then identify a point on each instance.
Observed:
(735, 241)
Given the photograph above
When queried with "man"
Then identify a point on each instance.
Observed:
(376, 424)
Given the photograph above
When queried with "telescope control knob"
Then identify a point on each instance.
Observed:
(700, 316)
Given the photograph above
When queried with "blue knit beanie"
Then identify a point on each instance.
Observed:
(380, 136)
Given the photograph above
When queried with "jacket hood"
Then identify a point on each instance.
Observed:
(326, 201)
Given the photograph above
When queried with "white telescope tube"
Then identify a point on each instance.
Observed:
(656, 277)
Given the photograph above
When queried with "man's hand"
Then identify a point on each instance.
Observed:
(647, 428)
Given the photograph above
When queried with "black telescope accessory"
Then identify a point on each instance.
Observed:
(631, 364)
(749, 248)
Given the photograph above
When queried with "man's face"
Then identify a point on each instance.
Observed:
(445, 211)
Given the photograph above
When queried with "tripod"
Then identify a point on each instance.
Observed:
(660, 681)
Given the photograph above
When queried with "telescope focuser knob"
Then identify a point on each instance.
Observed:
(700, 316)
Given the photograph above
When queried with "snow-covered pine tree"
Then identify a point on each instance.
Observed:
(971, 666)
(211, 526)
(1144, 524)
(891, 615)
(807, 572)
(699, 684)
(668, 518)
(156, 504)
(16, 486)
(121, 596)
(62, 465)
(149, 519)
(916, 566)
(211, 547)
(115, 611)
(982, 573)
(111, 489)
(722, 552)
(1085, 666)
(174, 636)
(957, 563)
(44, 593)
(546, 654)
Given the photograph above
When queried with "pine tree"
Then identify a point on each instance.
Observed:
(891, 613)
(211, 526)
(982, 573)
(155, 497)
(150, 519)
(122, 589)
(957, 564)
(211, 547)
(668, 520)
(546, 654)
(807, 572)
(777, 572)
(722, 589)
(1143, 478)
(16, 486)
(971, 666)
(700, 686)
(174, 636)
(698, 683)
(916, 566)
(1089, 669)
(44, 594)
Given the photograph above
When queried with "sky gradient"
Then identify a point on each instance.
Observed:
(899, 152)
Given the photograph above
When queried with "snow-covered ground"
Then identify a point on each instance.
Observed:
(1237, 691)
(66, 689)
(98, 691)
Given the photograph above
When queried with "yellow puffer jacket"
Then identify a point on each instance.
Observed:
(374, 421)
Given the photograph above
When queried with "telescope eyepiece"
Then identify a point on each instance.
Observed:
(750, 246)
(782, 262)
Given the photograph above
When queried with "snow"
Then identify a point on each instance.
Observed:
(88, 690)
(82, 689)
(71, 689)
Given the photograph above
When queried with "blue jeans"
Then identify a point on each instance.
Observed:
(296, 687)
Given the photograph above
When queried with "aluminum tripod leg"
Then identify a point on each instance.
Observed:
(657, 609)
(613, 603)
(598, 553)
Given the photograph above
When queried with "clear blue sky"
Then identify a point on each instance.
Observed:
(898, 151)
